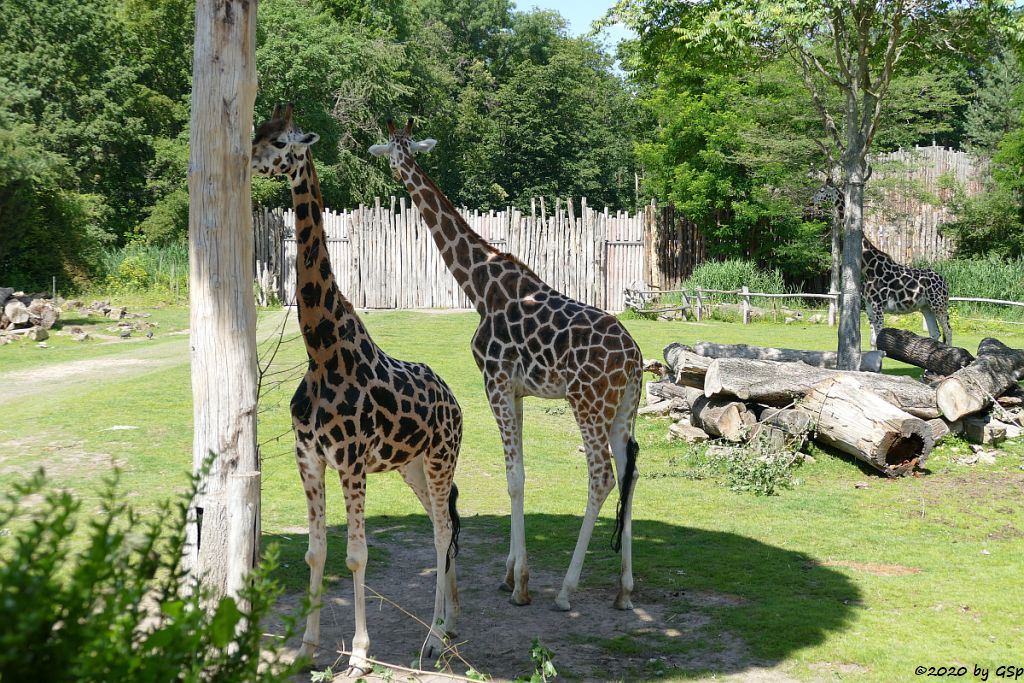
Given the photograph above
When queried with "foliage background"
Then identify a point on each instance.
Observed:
(94, 105)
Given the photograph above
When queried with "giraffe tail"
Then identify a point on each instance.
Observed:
(453, 547)
(632, 450)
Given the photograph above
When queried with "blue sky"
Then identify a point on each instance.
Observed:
(579, 14)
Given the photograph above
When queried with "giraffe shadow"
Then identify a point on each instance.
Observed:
(707, 603)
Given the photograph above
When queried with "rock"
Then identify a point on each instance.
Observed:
(38, 334)
(680, 431)
(789, 320)
(1013, 431)
(661, 407)
(42, 345)
(117, 313)
(817, 319)
(80, 336)
(125, 333)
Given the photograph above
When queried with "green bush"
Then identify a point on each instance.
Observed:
(108, 602)
(734, 274)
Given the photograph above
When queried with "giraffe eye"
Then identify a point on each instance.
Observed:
(278, 144)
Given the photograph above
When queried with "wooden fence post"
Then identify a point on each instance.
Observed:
(222, 314)
(746, 305)
(700, 305)
(832, 308)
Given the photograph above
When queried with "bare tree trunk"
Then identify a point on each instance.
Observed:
(850, 298)
(223, 312)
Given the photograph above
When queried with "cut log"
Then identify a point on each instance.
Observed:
(730, 420)
(924, 352)
(684, 432)
(16, 312)
(5, 294)
(940, 429)
(688, 368)
(662, 407)
(790, 421)
(969, 390)
(670, 390)
(870, 361)
(779, 384)
(982, 429)
(853, 419)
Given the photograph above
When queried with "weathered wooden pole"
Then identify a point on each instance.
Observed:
(223, 533)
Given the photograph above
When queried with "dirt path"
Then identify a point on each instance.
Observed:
(138, 357)
(591, 642)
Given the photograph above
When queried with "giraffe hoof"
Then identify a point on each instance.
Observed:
(520, 600)
(306, 652)
(562, 604)
(358, 671)
(505, 587)
(622, 602)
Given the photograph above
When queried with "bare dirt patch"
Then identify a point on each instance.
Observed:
(873, 568)
(665, 632)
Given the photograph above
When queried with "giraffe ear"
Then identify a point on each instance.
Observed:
(423, 145)
(408, 126)
(380, 150)
(391, 126)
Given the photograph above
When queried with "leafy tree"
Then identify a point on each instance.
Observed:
(997, 105)
(855, 48)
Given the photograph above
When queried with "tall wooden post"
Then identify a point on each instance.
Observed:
(223, 533)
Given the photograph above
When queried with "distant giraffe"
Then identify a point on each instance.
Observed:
(535, 341)
(358, 410)
(890, 286)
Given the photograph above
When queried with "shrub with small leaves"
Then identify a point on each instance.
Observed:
(110, 602)
(761, 473)
(543, 668)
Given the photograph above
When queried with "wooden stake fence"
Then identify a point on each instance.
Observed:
(385, 257)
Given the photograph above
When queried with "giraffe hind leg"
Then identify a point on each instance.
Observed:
(625, 450)
(599, 467)
(929, 321)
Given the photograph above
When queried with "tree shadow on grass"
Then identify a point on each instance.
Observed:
(706, 602)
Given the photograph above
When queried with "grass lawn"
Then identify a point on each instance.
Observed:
(825, 581)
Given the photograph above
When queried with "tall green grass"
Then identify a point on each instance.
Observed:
(989, 278)
(139, 267)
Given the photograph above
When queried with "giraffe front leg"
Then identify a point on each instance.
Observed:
(311, 470)
(876, 319)
(355, 559)
(508, 411)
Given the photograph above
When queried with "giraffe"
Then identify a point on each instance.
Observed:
(535, 341)
(358, 410)
(890, 286)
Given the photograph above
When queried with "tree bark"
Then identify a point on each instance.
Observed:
(779, 384)
(853, 419)
(870, 361)
(997, 369)
(669, 391)
(853, 245)
(222, 308)
(924, 352)
(688, 368)
(730, 420)
(16, 312)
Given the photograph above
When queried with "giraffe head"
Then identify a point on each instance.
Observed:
(401, 147)
(278, 147)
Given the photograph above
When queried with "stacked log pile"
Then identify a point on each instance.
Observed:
(738, 393)
(26, 315)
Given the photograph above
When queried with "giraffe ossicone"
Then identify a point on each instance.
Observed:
(535, 341)
(358, 410)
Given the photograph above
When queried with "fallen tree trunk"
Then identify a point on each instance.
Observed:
(969, 390)
(731, 420)
(870, 361)
(924, 352)
(853, 419)
(668, 390)
(790, 421)
(779, 384)
(688, 368)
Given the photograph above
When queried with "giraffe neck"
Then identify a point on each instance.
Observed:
(326, 317)
(462, 249)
